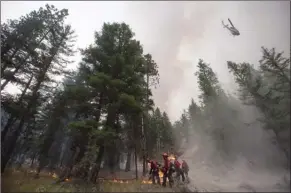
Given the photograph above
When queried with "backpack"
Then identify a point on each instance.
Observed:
(154, 165)
(177, 164)
(172, 167)
(185, 166)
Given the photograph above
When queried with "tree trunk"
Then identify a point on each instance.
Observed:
(96, 169)
(4, 132)
(128, 160)
(68, 170)
(99, 107)
(145, 123)
(12, 119)
(135, 160)
(144, 165)
(48, 141)
(110, 121)
(21, 161)
(13, 140)
(62, 160)
(143, 144)
(32, 160)
(16, 133)
(8, 153)
(118, 159)
(82, 153)
(47, 64)
(23, 153)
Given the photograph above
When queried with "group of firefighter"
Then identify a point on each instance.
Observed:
(168, 169)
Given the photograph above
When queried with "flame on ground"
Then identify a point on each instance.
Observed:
(54, 175)
(119, 181)
(146, 182)
(126, 181)
(161, 175)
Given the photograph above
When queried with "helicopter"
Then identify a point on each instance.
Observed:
(232, 29)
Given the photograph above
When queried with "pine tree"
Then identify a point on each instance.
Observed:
(49, 61)
(269, 90)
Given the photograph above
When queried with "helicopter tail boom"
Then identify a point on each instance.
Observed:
(230, 22)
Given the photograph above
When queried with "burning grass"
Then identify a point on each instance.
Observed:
(24, 181)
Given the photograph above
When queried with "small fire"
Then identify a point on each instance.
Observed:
(146, 182)
(67, 179)
(54, 175)
(161, 175)
(119, 181)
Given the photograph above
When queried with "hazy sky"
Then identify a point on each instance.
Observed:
(177, 34)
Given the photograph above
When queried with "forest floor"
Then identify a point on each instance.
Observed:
(23, 181)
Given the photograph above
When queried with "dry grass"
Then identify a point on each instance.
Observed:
(24, 181)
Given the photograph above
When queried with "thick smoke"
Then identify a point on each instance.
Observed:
(177, 34)
(166, 29)
(252, 162)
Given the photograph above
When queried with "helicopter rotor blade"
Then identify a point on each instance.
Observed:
(230, 22)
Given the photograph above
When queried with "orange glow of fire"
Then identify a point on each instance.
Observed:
(54, 175)
(171, 157)
(126, 182)
(146, 182)
(119, 181)
(161, 175)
